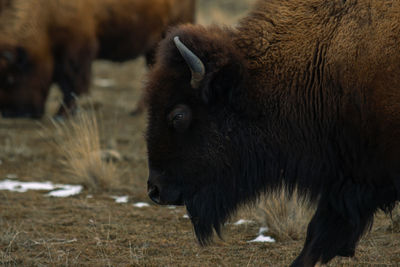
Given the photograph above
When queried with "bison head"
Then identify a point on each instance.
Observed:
(23, 84)
(198, 151)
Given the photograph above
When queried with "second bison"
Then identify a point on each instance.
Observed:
(44, 42)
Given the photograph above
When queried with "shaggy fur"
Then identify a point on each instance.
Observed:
(59, 40)
(303, 94)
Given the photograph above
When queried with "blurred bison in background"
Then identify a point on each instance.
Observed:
(44, 42)
(302, 94)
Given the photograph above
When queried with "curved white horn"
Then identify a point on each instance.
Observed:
(196, 66)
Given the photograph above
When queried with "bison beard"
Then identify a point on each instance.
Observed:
(237, 183)
(206, 211)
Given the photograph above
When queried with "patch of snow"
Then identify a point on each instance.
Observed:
(57, 190)
(104, 82)
(262, 238)
(122, 199)
(65, 191)
(242, 221)
(186, 216)
(263, 230)
(24, 186)
(89, 196)
(172, 207)
(141, 205)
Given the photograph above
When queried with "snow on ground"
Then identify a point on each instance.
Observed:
(262, 238)
(262, 230)
(20, 187)
(104, 82)
(242, 221)
(57, 190)
(65, 191)
(121, 199)
(141, 205)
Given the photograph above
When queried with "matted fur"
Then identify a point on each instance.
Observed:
(56, 42)
(304, 93)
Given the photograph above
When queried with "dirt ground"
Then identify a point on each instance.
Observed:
(91, 229)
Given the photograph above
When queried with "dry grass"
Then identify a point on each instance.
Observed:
(226, 12)
(12, 149)
(395, 222)
(7, 241)
(78, 142)
(286, 218)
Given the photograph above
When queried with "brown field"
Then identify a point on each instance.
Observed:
(91, 229)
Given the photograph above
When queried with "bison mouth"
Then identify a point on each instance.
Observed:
(208, 206)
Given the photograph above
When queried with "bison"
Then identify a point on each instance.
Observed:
(301, 94)
(44, 42)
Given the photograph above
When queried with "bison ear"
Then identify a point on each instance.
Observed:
(222, 85)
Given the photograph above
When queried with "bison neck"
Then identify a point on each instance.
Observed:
(311, 119)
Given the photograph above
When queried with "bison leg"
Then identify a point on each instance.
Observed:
(332, 233)
(150, 57)
(73, 73)
(140, 106)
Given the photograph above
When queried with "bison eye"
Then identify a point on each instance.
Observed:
(180, 117)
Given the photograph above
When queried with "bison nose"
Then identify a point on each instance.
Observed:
(153, 192)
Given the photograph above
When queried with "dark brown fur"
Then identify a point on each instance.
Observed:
(4, 4)
(60, 39)
(302, 93)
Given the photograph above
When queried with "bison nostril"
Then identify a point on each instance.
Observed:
(154, 193)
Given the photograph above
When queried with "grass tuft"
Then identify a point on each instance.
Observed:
(287, 218)
(395, 220)
(78, 141)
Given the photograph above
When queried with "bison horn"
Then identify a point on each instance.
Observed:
(196, 66)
